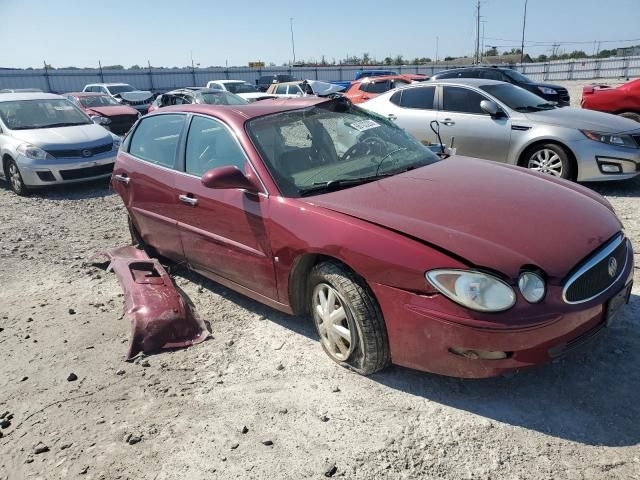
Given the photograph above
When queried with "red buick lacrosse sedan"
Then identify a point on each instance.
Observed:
(460, 266)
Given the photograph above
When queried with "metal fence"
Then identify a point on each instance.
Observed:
(163, 79)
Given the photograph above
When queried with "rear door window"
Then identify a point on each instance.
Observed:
(156, 139)
(379, 87)
(281, 90)
(462, 100)
(419, 97)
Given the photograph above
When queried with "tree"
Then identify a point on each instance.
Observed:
(135, 67)
(513, 51)
(398, 60)
(448, 59)
(388, 61)
(366, 59)
(492, 52)
(542, 58)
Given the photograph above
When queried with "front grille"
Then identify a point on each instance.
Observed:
(593, 276)
(87, 172)
(120, 124)
(136, 102)
(78, 153)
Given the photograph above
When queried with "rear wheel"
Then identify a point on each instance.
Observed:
(348, 320)
(550, 159)
(631, 116)
(15, 179)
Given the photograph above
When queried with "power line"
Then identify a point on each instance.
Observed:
(589, 42)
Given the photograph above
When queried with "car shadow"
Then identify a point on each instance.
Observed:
(621, 188)
(72, 191)
(587, 396)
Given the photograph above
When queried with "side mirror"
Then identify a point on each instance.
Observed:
(229, 177)
(491, 108)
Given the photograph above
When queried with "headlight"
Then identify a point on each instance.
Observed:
(611, 138)
(475, 290)
(32, 152)
(548, 91)
(100, 120)
(532, 287)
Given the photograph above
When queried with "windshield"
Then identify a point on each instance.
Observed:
(31, 114)
(97, 101)
(220, 98)
(516, 76)
(331, 146)
(116, 89)
(517, 98)
(240, 88)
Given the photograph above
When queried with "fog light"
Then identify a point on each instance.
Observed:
(532, 287)
(478, 354)
(610, 168)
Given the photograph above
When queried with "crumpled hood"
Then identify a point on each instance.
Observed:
(112, 110)
(572, 117)
(324, 88)
(492, 215)
(62, 138)
(136, 96)
(252, 95)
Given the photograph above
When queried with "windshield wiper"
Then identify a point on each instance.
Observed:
(546, 106)
(339, 183)
(528, 108)
(63, 124)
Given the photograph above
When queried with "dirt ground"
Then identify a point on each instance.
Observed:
(577, 418)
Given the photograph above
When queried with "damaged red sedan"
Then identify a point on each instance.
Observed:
(460, 267)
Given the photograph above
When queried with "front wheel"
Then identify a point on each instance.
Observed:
(550, 159)
(348, 320)
(15, 179)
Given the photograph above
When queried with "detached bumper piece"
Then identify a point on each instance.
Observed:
(160, 316)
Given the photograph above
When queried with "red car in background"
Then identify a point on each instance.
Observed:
(623, 100)
(316, 207)
(370, 87)
(105, 110)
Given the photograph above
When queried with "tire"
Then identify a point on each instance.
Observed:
(14, 178)
(367, 350)
(550, 159)
(631, 116)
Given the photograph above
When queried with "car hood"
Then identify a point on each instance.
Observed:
(572, 117)
(491, 215)
(547, 85)
(110, 111)
(136, 96)
(252, 95)
(80, 136)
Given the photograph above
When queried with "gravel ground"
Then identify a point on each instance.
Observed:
(182, 416)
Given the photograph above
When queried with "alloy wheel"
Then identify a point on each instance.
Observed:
(337, 330)
(15, 178)
(546, 161)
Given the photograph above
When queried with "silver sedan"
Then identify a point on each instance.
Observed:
(499, 121)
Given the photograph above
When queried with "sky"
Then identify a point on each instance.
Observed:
(167, 33)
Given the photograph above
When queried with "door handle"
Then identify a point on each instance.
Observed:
(186, 199)
(122, 179)
(448, 122)
(391, 116)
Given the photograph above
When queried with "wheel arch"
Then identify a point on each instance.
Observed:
(5, 163)
(542, 141)
(299, 275)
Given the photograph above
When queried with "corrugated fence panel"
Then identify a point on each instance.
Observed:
(163, 79)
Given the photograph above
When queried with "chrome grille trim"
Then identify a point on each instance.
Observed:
(603, 253)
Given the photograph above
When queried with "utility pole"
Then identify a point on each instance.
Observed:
(293, 45)
(437, 39)
(524, 23)
(482, 45)
(477, 56)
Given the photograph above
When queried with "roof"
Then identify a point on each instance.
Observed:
(378, 78)
(10, 97)
(492, 60)
(229, 81)
(239, 114)
(471, 82)
(86, 94)
(107, 84)
(194, 89)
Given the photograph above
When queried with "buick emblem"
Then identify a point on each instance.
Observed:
(87, 153)
(612, 267)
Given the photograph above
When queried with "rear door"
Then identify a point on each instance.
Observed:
(223, 230)
(144, 176)
(476, 133)
(414, 109)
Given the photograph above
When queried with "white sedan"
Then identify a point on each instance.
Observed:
(239, 87)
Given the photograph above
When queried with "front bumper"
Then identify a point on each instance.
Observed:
(40, 173)
(423, 329)
(595, 159)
